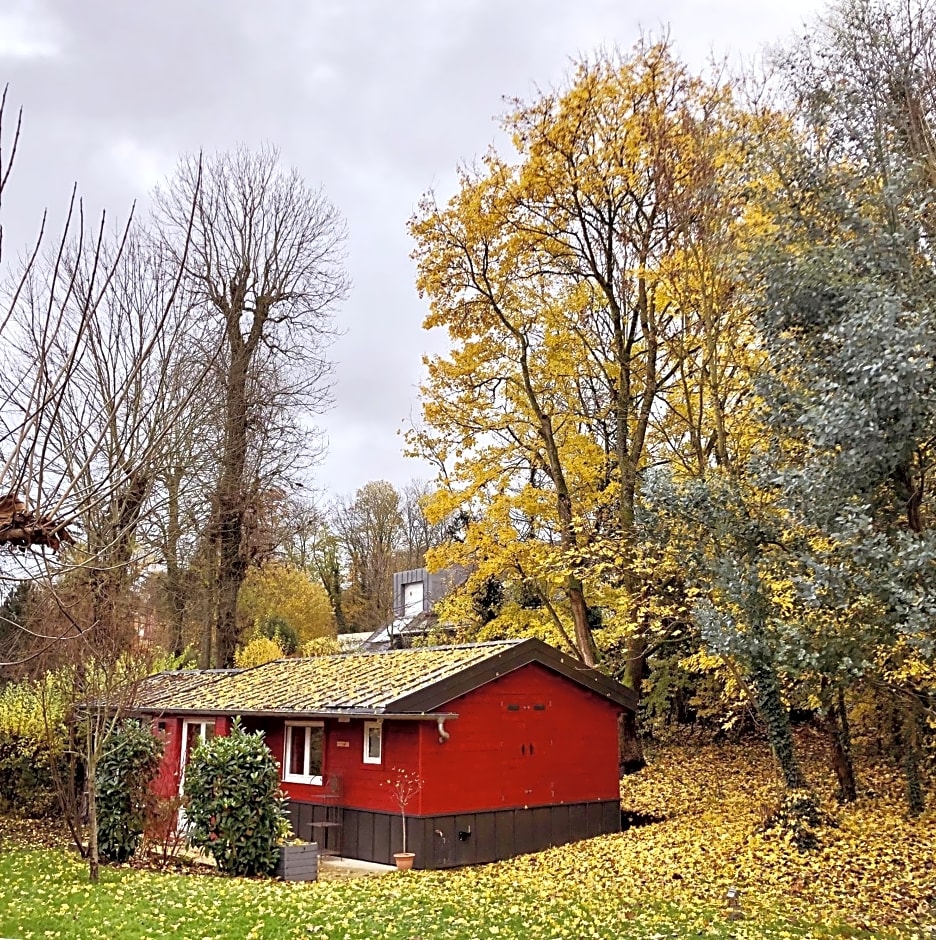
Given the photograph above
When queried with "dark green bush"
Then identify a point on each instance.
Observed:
(125, 771)
(281, 631)
(235, 808)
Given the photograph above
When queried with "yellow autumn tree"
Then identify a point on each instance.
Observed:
(260, 650)
(278, 591)
(594, 328)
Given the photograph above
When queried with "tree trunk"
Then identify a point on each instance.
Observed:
(92, 741)
(175, 579)
(583, 635)
(232, 563)
(232, 570)
(94, 861)
(916, 802)
(175, 588)
(631, 755)
(777, 722)
(835, 726)
(337, 606)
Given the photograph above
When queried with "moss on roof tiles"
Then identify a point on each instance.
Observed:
(365, 681)
(166, 686)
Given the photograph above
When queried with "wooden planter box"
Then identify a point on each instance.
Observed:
(298, 862)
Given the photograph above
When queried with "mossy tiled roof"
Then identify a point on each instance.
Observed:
(351, 682)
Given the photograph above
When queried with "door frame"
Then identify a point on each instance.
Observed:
(203, 724)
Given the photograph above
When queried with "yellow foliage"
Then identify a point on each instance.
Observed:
(34, 709)
(874, 867)
(320, 646)
(563, 322)
(277, 590)
(259, 650)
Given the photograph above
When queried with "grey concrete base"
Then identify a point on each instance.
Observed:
(333, 866)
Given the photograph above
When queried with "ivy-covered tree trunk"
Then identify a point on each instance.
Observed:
(329, 571)
(229, 532)
(175, 574)
(776, 720)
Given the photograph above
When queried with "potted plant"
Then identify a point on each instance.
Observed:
(403, 786)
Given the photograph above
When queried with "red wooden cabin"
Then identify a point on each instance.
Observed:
(515, 745)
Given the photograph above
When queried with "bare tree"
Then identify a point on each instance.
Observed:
(93, 453)
(419, 533)
(371, 532)
(266, 268)
(93, 377)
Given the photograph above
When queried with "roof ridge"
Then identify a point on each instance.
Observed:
(485, 644)
(202, 672)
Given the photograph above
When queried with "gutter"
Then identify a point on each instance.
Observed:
(370, 714)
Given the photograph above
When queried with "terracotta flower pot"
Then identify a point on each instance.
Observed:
(404, 860)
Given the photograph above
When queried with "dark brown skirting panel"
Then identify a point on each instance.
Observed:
(451, 841)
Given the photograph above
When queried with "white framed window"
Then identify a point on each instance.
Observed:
(304, 752)
(373, 742)
(194, 732)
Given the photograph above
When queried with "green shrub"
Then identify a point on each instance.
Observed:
(281, 630)
(235, 806)
(125, 771)
(26, 783)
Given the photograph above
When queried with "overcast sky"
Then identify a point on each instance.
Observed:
(377, 100)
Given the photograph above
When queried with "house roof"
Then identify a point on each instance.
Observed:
(403, 631)
(352, 641)
(401, 683)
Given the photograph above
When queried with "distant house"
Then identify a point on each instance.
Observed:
(414, 593)
(515, 744)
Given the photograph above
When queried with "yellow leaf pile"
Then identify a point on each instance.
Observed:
(875, 867)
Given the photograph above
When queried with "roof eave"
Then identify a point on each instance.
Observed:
(366, 713)
(509, 660)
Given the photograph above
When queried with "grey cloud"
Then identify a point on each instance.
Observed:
(378, 101)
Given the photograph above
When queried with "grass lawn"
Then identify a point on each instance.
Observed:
(874, 876)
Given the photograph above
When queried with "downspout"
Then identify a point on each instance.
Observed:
(443, 734)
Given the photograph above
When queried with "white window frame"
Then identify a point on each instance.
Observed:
(314, 779)
(369, 758)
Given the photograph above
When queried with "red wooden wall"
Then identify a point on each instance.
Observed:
(363, 786)
(530, 738)
(167, 782)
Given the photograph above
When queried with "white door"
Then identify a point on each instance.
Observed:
(412, 599)
(193, 733)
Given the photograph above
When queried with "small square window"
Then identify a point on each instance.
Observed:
(373, 742)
